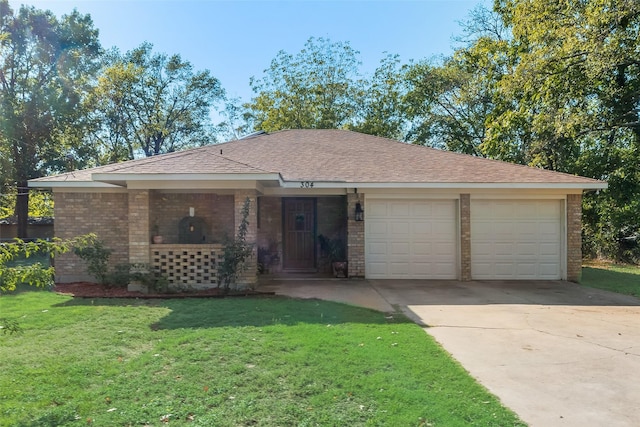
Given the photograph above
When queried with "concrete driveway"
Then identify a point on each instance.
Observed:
(556, 353)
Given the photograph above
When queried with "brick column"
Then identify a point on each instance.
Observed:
(355, 236)
(465, 237)
(574, 237)
(249, 276)
(139, 228)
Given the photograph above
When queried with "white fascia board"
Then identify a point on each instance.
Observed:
(202, 185)
(446, 185)
(71, 184)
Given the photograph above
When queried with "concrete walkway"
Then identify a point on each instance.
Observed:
(556, 353)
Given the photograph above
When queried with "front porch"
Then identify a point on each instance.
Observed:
(181, 235)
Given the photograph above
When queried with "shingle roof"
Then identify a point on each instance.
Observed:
(332, 156)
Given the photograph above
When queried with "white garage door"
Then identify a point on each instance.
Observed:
(410, 239)
(516, 239)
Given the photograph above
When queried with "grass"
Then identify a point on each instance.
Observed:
(228, 362)
(623, 279)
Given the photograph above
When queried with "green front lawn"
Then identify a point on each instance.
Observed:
(228, 362)
(623, 279)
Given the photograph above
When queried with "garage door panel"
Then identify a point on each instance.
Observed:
(504, 270)
(550, 250)
(444, 250)
(376, 209)
(422, 249)
(399, 269)
(399, 209)
(420, 239)
(441, 210)
(377, 248)
(399, 249)
(421, 228)
(516, 239)
(552, 228)
(421, 210)
(377, 228)
(377, 268)
(399, 228)
(549, 271)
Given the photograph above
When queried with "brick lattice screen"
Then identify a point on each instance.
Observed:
(192, 265)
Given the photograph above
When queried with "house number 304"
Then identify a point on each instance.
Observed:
(306, 184)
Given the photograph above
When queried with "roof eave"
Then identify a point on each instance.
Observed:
(71, 184)
(448, 185)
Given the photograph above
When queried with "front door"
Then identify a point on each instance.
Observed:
(299, 234)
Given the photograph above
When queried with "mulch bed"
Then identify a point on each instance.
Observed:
(95, 290)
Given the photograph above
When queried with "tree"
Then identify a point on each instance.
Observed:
(151, 104)
(449, 103)
(238, 121)
(46, 68)
(318, 88)
(553, 84)
(577, 84)
(381, 111)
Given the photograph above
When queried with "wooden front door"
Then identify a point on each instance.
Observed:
(299, 234)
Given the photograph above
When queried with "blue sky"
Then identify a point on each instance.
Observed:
(237, 39)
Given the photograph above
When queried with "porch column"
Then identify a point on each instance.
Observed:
(574, 237)
(139, 230)
(465, 237)
(249, 277)
(355, 236)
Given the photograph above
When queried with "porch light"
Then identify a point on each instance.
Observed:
(359, 212)
(192, 212)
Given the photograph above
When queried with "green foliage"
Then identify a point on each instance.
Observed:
(147, 276)
(334, 249)
(318, 88)
(623, 279)
(9, 326)
(381, 110)
(40, 203)
(96, 255)
(35, 274)
(151, 103)
(47, 65)
(236, 252)
(550, 84)
(212, 362)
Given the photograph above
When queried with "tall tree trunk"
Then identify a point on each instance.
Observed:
(22, 208)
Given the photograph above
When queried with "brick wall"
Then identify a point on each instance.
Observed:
(574, 237)
(167, 209)
(355, 236)
(465, 237)
(105, 214)
(270, 230)
(331, 221)
(249, 276)
(139, 227)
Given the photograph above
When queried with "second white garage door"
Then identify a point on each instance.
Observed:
(516, 239)
(410, 239)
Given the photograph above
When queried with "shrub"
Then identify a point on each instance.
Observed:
(35, 274)
(236, 253)
(96, 255)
